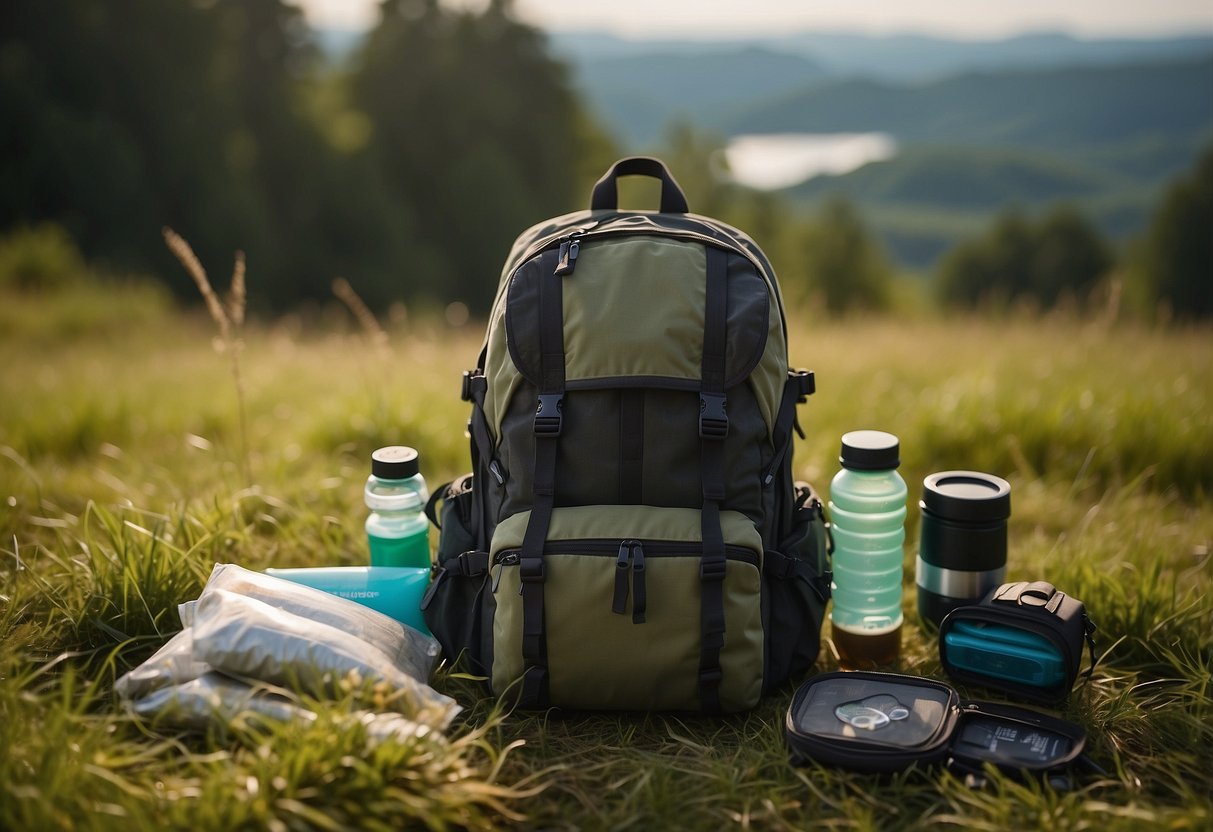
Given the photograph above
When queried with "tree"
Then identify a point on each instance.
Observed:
(114, 125)
(476, 127)
(1069, 257)
(1018, 259)
(1174, 262)
(843, 262)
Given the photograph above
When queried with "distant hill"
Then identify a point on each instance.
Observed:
(903, 57)
(636, 86)
(928, 197)
(1074, 108)
(635, 97)
(1032, 120)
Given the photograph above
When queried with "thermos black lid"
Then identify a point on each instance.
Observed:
(870, 450)
(395, 462)
(967, 496)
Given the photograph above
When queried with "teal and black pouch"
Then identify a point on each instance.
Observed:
(1023, 639)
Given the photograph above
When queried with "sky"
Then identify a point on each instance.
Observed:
(706, 19)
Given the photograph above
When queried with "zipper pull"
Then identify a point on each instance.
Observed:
(502, 562)
(619, 604)
(639, 600)
(570, 247)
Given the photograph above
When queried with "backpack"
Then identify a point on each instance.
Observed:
(630, 536)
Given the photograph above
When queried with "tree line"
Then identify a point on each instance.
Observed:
(410, 168)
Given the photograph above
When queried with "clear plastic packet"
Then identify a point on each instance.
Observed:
(199, 703)
(411, 650)
(248, 638)
(185, 612)
(172, 664)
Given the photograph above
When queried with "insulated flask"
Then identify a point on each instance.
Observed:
(962, 552)
(867, 517)
(397, 529)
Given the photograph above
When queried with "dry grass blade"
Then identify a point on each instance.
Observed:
(181, 249)
(231, 326)
(362, 313)
(239, 297)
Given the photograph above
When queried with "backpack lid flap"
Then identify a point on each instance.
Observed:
(634, 314)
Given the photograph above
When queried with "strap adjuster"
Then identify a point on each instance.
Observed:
(806, 383)
(713, 569)
(710, 676)
(532, 570)
(471, 379)
(473, 563)
(713, 420)
(549, 415)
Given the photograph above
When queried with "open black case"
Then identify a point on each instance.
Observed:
(886, 722)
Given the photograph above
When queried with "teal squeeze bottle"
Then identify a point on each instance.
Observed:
(867, 518)
(397, 529)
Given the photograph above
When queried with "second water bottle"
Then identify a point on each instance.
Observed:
(867, 517)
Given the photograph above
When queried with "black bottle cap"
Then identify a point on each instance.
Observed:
(395, 462)
(870, 450)
(967, 496)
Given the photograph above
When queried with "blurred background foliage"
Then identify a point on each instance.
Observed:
(409, 165)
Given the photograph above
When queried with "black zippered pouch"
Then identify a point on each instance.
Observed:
(886, 722)
(1024, 639)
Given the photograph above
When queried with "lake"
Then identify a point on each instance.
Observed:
(774, 161)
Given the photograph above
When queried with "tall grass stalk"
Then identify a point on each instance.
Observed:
(229, 320)
(362, 313)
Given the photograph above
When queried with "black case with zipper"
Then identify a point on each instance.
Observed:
(886, 722)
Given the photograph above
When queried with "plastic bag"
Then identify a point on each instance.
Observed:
(241, 636)
(411, 650)
(197, 703)
(172, 664)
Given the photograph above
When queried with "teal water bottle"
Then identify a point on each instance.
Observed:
(397, 529)
(867, 518)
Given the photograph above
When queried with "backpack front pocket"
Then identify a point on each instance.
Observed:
(623, 608)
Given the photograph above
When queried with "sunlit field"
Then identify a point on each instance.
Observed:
(127, 471)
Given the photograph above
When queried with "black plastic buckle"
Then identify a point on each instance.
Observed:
(712, 570)
(532, 571)
(711, 676)
(465, 390)
(806, 383)
(549, 415)
(473, 563)
(713, 420)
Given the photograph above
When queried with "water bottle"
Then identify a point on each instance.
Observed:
(867, 516)
(397, 529)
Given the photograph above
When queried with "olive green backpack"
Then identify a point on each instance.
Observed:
(631, 536)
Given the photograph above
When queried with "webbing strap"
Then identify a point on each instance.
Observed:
(713, 428)
(549, 422)
(631, 447)
(475, 387)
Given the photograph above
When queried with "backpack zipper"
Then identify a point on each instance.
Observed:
(630, 565)
(568, 242)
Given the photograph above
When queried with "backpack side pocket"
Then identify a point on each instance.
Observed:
(797, 579)
(452, 606)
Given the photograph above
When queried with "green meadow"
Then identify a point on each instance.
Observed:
(131, 461)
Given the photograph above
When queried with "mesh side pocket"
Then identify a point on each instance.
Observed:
(797, 582)
(452, 606)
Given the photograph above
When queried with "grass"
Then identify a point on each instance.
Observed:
(122, 480)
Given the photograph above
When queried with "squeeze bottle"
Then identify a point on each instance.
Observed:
(867, 517)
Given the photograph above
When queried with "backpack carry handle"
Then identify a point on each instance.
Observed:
(605, 196)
